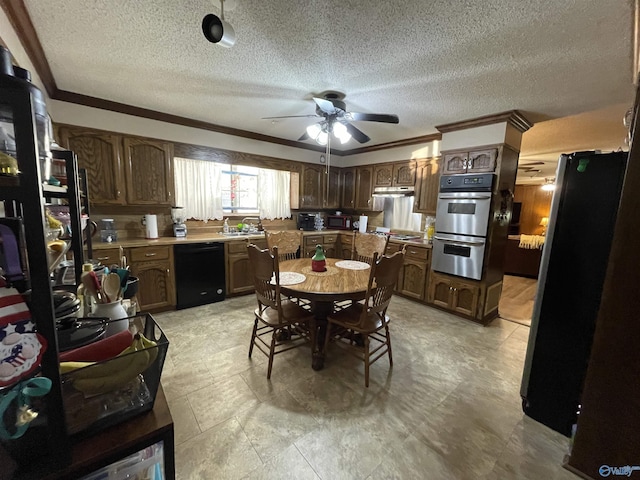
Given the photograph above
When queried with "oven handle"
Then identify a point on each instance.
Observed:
(457, 242)
(452, 197)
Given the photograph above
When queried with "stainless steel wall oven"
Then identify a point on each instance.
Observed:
(462, 219)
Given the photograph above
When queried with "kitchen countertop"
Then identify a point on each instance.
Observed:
(218, 237)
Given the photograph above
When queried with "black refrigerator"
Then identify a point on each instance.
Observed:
(572, 270)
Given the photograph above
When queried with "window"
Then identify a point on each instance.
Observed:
(240, 189)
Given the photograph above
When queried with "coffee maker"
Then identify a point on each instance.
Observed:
(178, 217)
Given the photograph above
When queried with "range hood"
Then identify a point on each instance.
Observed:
(393, 191)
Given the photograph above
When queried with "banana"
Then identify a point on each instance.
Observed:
(98, 385)
(66, 367)
(115, 373)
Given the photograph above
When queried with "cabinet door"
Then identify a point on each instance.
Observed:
(439, 291)
(348, 188)
(482, 161)
(404, 174)
(157, 286)
(101, 156)
(239, 273)
(454, 163)
(465, 298)
(311, 193)
(332, 197)
(345, 246)
(427, 186)
(364, 178)
(414, 277)
(383, 175)
(149, 167)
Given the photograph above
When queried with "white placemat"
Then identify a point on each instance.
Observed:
(290, 278)
(352, 265)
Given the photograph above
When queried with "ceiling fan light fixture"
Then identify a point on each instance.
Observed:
(341, 133)
(322, 138)
(313, 130)
(549, 184)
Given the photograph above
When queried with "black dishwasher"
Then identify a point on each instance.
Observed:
(200, 277)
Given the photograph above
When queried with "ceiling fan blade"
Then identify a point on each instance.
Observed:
(326, 106)
(359, 135)
(373, 117)
(289, 116)
(305, 136)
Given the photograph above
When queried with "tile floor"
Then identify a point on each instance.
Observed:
(449, 408)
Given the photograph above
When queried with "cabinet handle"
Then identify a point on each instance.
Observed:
(168, 271)
(150, 254)
(464, 162)
(117, 193)
(103, 258)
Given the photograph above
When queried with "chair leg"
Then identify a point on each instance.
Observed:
(366, 361)
(389, 346)
(253, 336)
(271, 350)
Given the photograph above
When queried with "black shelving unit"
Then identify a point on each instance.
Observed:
(46, 444)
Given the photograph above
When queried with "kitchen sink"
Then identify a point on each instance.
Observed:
(241, 234)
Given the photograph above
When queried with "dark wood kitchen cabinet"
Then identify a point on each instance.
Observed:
(453, 294)
(154, 268)
(427, 186)
(100, 153)
(475, 161)
(238, 276)
(400, 174)
(122, 170)
(149, 172)
(345, 246)
(328, 242)
(313, 187)
(364, 188)
(415, 272)
(348, 182)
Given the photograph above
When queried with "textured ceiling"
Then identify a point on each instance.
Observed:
(429, 62)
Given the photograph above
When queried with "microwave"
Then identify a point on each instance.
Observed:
(338, 222)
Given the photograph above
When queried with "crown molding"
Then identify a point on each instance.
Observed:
(395, 144)
(513, 117)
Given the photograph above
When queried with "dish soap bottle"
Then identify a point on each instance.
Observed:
(319, 261)
(225, 227)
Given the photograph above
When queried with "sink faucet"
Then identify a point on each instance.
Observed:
(258, 219)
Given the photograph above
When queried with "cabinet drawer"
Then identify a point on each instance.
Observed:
(417, 253)
(241, 247)
(346, 239)
(314, 240)
(329, 238)
(392, 248)
(107, 256)
(145, 254)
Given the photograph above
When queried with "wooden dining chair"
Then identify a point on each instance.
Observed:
(368, 320)
(365, 245)
(283, 320)
(288, 242)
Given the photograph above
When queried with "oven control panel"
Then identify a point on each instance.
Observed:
(480, 182)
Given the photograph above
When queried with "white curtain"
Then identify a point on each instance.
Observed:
(198, 188)
(403, 216)
(273, 194)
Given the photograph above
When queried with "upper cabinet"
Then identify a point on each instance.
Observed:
(348, 182)
(149, 167)
(427, 185)
(313, 187)
(364, 188)
(122, 170)
(476, 161)
(101, 155)
(395, 174)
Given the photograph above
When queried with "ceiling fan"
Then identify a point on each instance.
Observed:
(336, 120)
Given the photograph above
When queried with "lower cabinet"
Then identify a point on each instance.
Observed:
(345, 246)
(106, 256)
(154, 267)
(239, 279)
(453, 294)
(415, 272)
(328, 243)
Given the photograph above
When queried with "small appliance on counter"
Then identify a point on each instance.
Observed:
(306, 221)
(108, 232)
(178, 217)
(339, 222)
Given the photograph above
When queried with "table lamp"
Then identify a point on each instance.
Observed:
(543, 223)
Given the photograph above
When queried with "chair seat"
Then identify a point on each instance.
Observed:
(350, 317)
(291, 313)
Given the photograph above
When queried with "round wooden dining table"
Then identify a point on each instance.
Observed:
(337, 283)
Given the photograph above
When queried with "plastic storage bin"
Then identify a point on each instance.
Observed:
(147, 464)
(115, 390)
